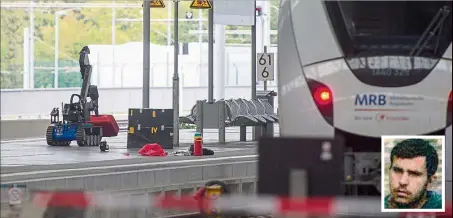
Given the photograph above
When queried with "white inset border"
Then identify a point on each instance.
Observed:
(383, 175)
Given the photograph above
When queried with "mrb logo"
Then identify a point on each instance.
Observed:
(370, 100)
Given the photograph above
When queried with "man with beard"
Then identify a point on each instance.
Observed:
(413, 165)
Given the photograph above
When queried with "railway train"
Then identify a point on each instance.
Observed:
(363, 69)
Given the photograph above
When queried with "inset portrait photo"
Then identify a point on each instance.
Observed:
(412, 173)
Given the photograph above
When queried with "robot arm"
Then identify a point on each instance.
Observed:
(85, 70)
(83, 59)
(87, 90)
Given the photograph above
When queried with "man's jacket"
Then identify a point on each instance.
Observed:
(434, 201)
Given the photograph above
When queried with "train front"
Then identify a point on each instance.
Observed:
(362, 69)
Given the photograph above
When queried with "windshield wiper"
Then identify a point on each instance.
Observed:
(438, 21)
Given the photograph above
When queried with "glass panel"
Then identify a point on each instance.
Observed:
(391, 43)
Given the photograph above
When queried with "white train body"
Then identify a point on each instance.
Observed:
(353, 69)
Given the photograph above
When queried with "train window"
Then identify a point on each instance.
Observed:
(391, 38)
(392, 27)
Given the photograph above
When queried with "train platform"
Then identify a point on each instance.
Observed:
(33, 165)
(35, 152)
(33, 158)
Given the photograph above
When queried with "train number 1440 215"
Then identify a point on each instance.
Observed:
(390, 72)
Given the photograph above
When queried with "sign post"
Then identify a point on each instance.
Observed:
(146, 52)
(176, 75)
(206, 4)
(254, 72)
(265, 67)
(147, 5)
(264, 72)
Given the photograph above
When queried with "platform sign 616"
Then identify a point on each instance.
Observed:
(265, 66)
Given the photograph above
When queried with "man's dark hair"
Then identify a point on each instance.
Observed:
(411, 148)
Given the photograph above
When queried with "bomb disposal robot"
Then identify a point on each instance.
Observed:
(79, 124)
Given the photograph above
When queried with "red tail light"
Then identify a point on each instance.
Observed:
(322, 95)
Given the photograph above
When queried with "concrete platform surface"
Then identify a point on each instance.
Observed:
(122, 171)
(35, 155)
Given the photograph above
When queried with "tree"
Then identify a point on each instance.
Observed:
(11, 55)
(274, 20)
(84, 27)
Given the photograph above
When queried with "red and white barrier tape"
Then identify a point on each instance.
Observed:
(254, 205)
